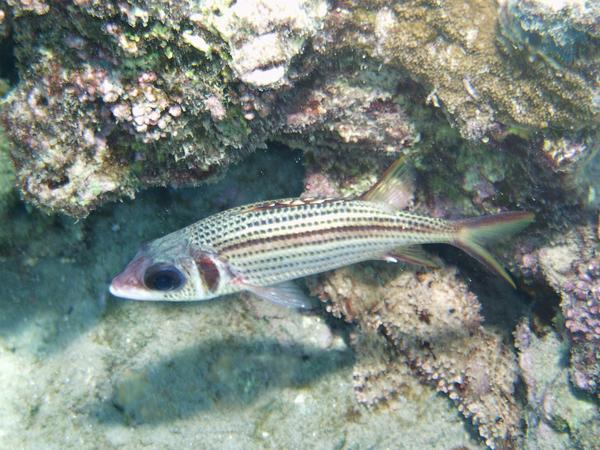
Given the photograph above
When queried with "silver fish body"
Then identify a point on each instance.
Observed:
(268, 243)
(262, 246)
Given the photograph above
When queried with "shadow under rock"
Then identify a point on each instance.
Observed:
(211, 377)
(55, 272)
(501, 305)
(50, 292)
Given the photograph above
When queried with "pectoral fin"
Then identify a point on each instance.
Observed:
(413, 254)
(286, 294)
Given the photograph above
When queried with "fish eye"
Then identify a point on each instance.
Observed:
(163, 277)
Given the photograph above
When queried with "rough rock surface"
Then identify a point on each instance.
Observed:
(115, 96)
(558, 418)
(571, 265)
(7, 177)
(430, 327)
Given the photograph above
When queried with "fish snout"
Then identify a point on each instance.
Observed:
(130, 282)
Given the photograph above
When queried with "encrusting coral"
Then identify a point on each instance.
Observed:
(124, 97)
(557, 418)
(263, 37)
(431, 327)
(172, 92)
(451, 47)
(571, 265)
(75, 166)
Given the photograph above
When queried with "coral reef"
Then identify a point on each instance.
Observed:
(451, 48)
(118, 100)
(263, 37)
(74, 167)
(346, 111)
(496, 104)
(172, 93)
(350, 109)
(571, 266)
(561, 35)
(432, 329)
(557, 418)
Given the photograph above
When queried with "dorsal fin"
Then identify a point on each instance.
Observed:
(395, 187)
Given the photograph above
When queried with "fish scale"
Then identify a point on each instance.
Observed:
(266, 243)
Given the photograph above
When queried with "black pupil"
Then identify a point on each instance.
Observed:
(163, 278)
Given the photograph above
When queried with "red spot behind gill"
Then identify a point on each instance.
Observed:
(208, 272)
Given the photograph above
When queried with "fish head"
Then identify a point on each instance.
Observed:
(164, 269)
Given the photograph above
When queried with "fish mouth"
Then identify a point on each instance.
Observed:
(129, 283)
(128, 292)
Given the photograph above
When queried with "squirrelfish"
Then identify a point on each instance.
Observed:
(263, 246)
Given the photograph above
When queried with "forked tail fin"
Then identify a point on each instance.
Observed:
(471, 234)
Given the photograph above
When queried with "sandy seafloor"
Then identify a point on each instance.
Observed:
(81, 369)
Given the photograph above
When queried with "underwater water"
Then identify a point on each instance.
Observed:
(83, 369)
(122, 122)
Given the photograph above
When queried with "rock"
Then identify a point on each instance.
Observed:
(426, 325)
(558, 418)
(572, 269)
(131, 96)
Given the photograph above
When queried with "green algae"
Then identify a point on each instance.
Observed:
(8, 193)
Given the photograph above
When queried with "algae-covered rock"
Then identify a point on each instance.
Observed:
(114, 97)
(117, 100)
(563, 36)
(572, 268)
(7, 176)
(430, 327)
(558, 417)
(451, 47)
(263, 37)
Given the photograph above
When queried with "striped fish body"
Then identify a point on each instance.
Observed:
(261, 247)
(272, 242)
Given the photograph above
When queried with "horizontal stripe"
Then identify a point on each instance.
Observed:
(324, 232)
(271, 242)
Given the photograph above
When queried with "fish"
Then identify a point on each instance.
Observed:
(263, 247)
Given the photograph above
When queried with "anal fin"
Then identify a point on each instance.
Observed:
(413, 254)
(286, 294)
